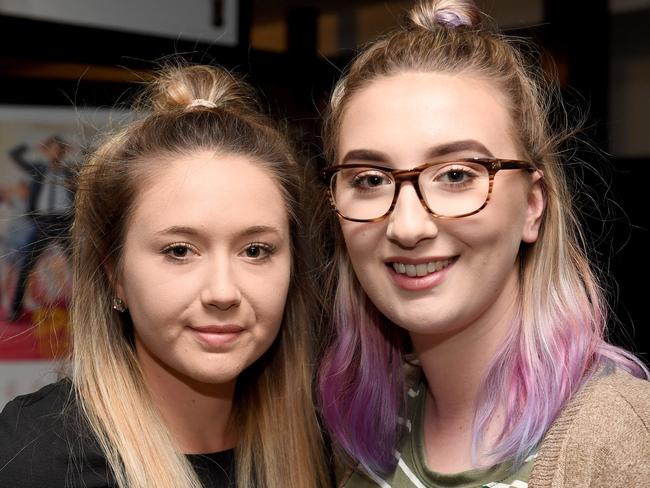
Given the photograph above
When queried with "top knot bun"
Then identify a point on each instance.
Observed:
(199, 88)
(450, 14)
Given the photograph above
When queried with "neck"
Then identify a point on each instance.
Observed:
(197, 414)
(454, 365)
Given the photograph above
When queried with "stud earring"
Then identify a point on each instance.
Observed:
(118, 304)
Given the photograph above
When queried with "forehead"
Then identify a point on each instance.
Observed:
(405, 113)
(219, 193)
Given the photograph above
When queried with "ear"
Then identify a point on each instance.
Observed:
(115, 282)
(535, 209)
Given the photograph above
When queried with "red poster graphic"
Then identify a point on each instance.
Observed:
(40, 150)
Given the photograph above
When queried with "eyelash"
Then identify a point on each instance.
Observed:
(267, 249)
(167, 250)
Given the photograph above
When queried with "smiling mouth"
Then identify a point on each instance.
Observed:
(421, 269)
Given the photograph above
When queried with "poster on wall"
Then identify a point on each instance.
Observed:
(213, 21)
(40, 149)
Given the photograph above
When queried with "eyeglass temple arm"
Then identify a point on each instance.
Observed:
(509, 164)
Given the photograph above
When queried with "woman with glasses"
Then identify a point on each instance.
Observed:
(191, 364)
(467, 344)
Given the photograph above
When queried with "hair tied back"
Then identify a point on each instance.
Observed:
(201, 102)
(449, 14)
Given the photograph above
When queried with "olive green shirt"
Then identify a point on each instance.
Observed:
(412, 472)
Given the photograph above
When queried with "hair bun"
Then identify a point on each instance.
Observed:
(450, 14)
(200, 88)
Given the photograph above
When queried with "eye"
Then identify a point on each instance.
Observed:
(365, 179)
(258, 250)
(370, 179)
(457, 175)
(179, 251)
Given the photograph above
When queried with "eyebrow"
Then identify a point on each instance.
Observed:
(178, 229)
(433, 152)
(459, 146)
(259, 229)
(192, 231)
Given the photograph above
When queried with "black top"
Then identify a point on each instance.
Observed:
(45, 442)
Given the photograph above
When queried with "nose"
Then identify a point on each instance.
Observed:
(221, 289)
(410, 222)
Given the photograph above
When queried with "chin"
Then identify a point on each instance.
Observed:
(428, 324)
(411, 320)
(213, 376)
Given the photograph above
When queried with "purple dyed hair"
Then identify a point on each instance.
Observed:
(361, 381)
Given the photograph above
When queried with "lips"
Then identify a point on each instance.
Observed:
(421, 269)
(419, 274)
(218, 337)
(219, 329)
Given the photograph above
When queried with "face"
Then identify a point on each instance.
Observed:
(205, 266)
(468, 265)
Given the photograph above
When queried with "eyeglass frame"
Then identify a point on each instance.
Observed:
(493, 165)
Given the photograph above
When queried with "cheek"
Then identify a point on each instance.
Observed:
(363, 244)
(150, 308)
(491, 252)
(501, 225)
(154, 297)
(268, 294)
(361, 241)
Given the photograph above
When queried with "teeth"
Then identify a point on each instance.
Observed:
(420, 269)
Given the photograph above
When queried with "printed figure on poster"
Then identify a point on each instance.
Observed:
(40, 150)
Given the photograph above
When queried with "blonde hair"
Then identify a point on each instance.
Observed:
(279, 441)
(562, 309)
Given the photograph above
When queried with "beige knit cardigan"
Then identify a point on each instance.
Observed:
(601, 439)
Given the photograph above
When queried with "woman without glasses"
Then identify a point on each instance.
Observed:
(455, 239)
(188, 367)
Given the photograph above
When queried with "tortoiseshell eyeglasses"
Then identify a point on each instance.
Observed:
(447, 189)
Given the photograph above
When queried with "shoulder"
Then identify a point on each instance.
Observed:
(37, 433)
(28, 413)
(613, 404)
(601, 438)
